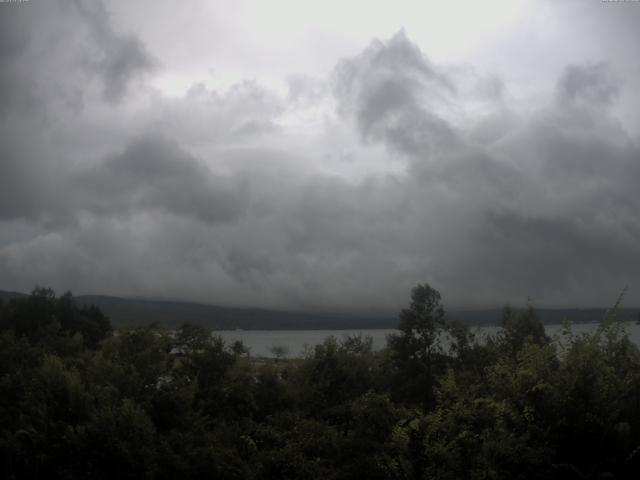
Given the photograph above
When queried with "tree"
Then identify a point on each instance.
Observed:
(519, 327)
(86, 320)
(43, 317)
(416, 350)
(279, 351)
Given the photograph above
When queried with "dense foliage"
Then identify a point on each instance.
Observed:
(80, 401)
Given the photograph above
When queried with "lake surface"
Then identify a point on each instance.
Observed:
(296, 341)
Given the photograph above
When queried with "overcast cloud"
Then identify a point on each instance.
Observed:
(280, 158)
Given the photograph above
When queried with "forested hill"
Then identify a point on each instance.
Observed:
(130, 312)
(6, 296)
(135, 312)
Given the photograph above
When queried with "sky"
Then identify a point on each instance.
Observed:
(322, 156)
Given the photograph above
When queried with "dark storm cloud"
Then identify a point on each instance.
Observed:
(118, 59)
(23, 185)
(155, 173)
(21, 192)
(50, 54)
(51, 50)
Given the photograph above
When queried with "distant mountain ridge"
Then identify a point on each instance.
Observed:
(127, 312)
(549, 316)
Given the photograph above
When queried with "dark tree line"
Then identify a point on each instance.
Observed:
(80, 401)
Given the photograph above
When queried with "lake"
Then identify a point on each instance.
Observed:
(295, 341)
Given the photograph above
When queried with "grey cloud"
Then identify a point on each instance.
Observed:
(543, 208)
(535, 202)
(17, 85)
(125, 61)
(305, 89)
(491, 87)
(253, 128)
(394, 93)
(587, 83)
(207, 117)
